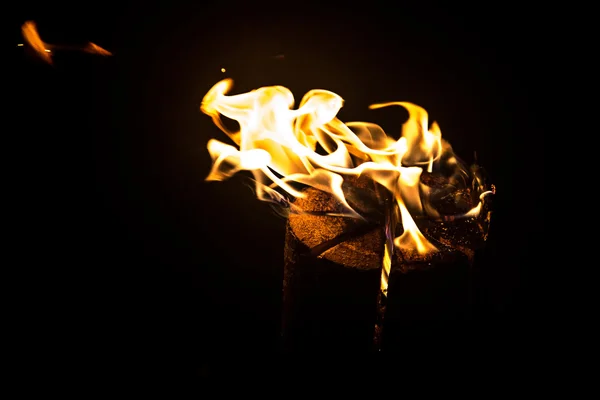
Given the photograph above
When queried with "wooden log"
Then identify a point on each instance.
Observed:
(333, 267)
(331, 278)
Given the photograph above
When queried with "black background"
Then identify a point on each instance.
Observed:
(124, 251)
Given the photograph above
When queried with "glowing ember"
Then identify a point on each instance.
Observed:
(44, 50)
(278, 144)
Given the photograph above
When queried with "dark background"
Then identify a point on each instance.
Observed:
(124, 251)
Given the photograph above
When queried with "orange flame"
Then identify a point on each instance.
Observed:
(31, 36)
(278, 144)
(44, 50)
(95, 49)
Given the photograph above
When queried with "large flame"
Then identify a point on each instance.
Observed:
(278, 144)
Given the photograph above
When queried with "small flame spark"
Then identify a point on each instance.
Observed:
(44, 50)
(278, 145)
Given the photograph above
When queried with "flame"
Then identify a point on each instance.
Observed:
(44, 50)
(31, 36)
(278, 145)
(93, 48)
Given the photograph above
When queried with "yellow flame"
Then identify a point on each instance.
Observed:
(278, 144)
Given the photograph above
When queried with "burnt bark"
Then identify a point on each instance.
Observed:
(429, 300)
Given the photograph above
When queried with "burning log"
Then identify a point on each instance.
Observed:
(375, 221)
